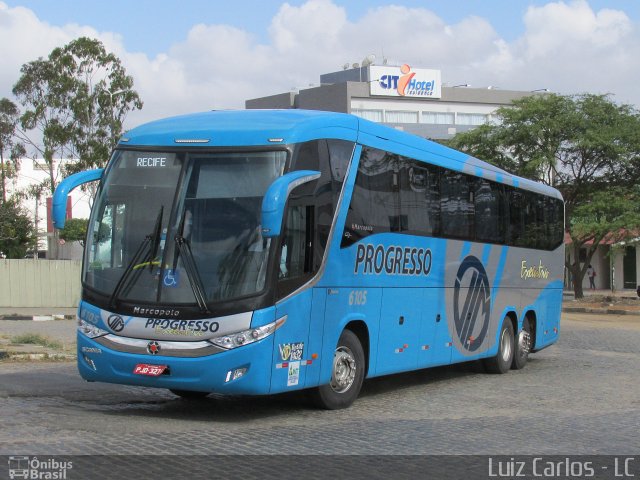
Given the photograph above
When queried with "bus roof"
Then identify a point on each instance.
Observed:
(229, 128)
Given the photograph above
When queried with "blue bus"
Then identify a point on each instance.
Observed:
(263, 251)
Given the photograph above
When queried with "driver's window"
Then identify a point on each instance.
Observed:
(295, 264)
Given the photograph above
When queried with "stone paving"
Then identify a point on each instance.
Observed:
(580, 396)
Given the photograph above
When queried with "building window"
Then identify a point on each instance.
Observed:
(401, 117)
(471, 118)
(372, 115)
(438, 118)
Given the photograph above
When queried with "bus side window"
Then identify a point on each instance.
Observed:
(457, 207)
(516, 217)
(375, 202)
(419, 198)
(488, 225)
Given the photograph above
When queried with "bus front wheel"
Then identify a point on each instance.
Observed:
(501, 363)
(347, 374)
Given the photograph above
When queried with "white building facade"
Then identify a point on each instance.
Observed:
(32, 173)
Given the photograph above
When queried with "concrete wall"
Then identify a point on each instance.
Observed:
(39, 283)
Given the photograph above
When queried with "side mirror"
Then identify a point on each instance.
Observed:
(59, 204)
(275, 199)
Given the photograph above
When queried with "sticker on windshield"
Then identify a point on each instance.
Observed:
(171, 278)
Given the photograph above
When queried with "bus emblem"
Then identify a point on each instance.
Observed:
(472, 317)
(115, 323)
(153, 348)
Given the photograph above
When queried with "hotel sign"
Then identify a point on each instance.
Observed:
(404, 81)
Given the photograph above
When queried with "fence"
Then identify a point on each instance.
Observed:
(39, 283)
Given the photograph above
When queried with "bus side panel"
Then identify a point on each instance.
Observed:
(398, 344)
(291, 346)
(476, 298)
(548, 307)
(342, 308)
(316, 340)
(435, 344)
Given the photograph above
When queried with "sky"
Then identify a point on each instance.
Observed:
(194, 55)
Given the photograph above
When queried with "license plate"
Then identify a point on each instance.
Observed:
(149, 370)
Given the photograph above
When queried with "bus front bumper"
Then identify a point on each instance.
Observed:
(243, 370)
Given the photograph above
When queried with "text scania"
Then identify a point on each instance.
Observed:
(183, 325)
(393, 260)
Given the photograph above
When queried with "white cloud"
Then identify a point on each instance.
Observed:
(566, 46)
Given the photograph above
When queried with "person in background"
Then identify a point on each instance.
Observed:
(591, 273)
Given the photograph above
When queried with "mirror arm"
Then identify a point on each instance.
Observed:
(275, 199)
(59, 204)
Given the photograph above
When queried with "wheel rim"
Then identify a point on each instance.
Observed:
(344, 370)
(524, 343)
(505, 345)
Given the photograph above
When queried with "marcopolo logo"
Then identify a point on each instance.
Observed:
(471, 303)
(115, 323)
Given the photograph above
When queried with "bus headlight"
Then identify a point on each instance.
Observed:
(90, 330)
(245, 337)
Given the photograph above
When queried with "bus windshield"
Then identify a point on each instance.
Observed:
(181, 228)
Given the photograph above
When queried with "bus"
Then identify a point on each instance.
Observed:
(263, 251)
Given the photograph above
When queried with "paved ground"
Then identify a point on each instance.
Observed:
(580, 396)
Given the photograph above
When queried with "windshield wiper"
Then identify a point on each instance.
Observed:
(195, 281)
(154, 240)
(192, 272)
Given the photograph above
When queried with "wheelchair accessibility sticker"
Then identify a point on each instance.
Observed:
(171, 278)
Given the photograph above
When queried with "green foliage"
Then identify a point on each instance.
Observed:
(75, 230)
(16, 230)
(10, 150)
(587, 146)
(76, 100)
(36, 339)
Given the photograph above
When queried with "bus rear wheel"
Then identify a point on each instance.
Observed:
(347, 374)
(189, 394)
(501, 363)
(522, 346)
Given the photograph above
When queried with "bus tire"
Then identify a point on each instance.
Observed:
(522, 346)
(347, 375)
(189, 394)
(501, 363)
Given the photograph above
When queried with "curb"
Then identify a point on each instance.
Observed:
(43, 356)
(37, 318)
(600, 311)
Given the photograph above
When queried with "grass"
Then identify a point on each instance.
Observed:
(36, 339)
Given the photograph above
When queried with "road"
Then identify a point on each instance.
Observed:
(581, 396)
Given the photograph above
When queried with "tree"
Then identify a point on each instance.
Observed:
(103, 95)
(16, 230)
(587, 146)
(75, 230)
(9, 116)
(75, 103)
